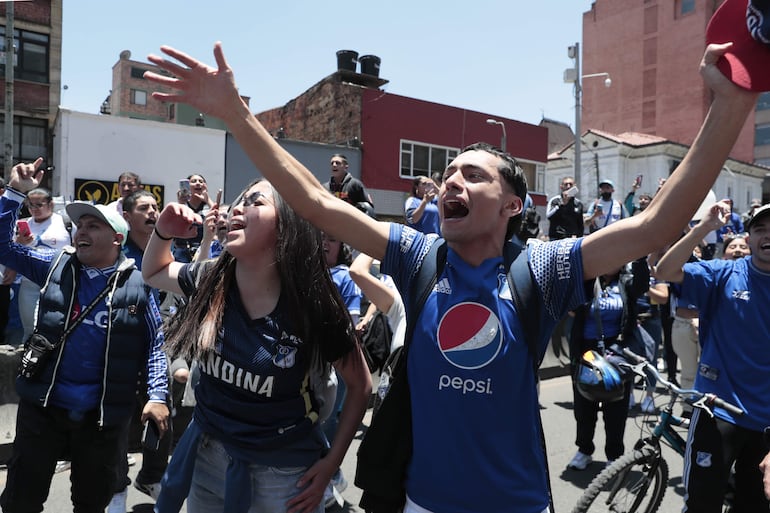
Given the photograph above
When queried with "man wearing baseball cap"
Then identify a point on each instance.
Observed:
(604, 210)
(97, 329)
(731, 297)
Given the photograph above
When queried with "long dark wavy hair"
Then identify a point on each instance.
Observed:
(313, 302)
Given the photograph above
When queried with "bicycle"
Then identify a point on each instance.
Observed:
(637, 480)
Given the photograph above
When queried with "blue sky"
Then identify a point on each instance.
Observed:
(503, 57)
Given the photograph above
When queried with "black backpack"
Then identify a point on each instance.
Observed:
(530, 224)
(376, 341)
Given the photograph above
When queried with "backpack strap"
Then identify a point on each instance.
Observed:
(522, 286)
(427, 276)
(386, 449)
(524, 294)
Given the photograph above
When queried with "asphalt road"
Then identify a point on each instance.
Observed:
(556, 402)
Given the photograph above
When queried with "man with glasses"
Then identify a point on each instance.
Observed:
(565, 212)
(47, 234)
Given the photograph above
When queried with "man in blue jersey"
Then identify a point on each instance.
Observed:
(96, 330)
(471, 382)
(731, 297)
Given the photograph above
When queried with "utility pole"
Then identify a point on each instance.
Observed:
(578, 107)
(8, 122)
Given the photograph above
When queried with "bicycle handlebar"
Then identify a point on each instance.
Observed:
(703, 398)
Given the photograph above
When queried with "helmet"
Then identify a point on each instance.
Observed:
(597, 379)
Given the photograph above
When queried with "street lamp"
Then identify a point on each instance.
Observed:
(491, 121)
(573, 75)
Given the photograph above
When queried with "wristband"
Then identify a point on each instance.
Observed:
(161, 237)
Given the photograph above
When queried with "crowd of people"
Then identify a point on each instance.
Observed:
(227, 337)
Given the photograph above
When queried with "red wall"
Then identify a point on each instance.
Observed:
(388, 118)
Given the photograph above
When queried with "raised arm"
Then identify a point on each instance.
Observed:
(674, 204)
(374, 289)
(209, 230)
(669, 267)
(213, 91)
(159, 269)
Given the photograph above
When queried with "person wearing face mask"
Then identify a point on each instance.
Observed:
(604, 210)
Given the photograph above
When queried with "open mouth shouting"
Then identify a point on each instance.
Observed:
(454, 208)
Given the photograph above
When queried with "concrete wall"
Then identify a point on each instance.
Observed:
(239, 170)
(98, 148)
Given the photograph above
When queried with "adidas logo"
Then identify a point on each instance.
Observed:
(443, 287)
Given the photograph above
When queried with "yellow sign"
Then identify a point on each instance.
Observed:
(106, 191)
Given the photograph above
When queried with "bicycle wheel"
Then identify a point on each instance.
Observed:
(635, 482)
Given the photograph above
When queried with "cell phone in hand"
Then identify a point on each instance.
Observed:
(23, 227)
(184, 186)
(571, 192)
(638, 181)
(151, 435)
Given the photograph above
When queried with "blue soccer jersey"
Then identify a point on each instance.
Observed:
(472, 383)
(350, 292)
(429, 222)
(253, 392)
(732, 297)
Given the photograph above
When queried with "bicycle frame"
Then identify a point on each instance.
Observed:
(643, 473)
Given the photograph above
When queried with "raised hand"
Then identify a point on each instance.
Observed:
(210, 90)
(714, 78)
(178, 221)
(25, 177)
(717, 216)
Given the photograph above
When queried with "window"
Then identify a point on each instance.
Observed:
(138, 97)
(137, 72)
(419, 159)
(29, 138)
(762, 135)
(686, 7)
(172, 111)
(31, 55)
(539, 178)
(763, 103)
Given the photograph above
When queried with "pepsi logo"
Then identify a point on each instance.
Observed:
(469, 335)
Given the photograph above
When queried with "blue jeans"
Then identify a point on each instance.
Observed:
(271, 487)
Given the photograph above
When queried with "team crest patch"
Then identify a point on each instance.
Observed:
(703, 459)
(285, 357)
(503, 290)
(132, 309)
(469, 335)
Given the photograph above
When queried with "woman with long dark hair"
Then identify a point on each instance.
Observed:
(262, 320)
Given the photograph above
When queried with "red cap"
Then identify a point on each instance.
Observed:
(747, 62)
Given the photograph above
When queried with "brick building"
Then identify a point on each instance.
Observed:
(131, 97)
(37, 36)
(400, 137)
(651, 50)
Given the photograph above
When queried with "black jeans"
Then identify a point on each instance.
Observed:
(45, 435)
(614, 415)
(713, 445)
